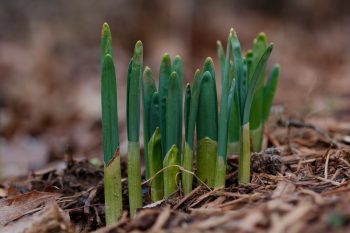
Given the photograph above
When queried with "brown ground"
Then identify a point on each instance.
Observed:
(300, 184)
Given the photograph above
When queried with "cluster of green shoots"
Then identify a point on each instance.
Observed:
(245, 104)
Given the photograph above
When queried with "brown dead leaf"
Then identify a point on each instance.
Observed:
(283, 187)
(48, 220)
(3, 193)
(15, 207)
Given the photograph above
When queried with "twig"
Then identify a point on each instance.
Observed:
(326, 164)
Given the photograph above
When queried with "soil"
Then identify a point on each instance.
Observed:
(301, 184)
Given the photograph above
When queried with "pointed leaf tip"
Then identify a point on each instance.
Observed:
(208, 60)
(206, 75)
(105, 29)
(166, 58)
(138, 47)
(147, 71)
(173, 75)
(139, 43)
(262, 34)
(108, 58)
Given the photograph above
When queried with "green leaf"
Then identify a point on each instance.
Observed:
(234, 124)
(241, 79)
(221, 56)
(259, 47)
(187, 159)
(249, 62)
(133, 94)
(270, 90)
(154, 112)
(207, 116)
(172, 110)
(162, 120)
(110, 138)
(255, 77)
(164, 75)
(110, 134)
(209, 66)
(256, 119)
(223, 114)
(187, 108)
(193, 107)
(106, 42)
(133, 128)
(148, 88)
(177, 67)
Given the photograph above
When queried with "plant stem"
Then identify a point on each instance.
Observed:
(134, 177)
(187, 164)
(206, 160)
(155, 164)
(244, 156)
(220, 172)
(170, 174)
(112, 190)
(256, 138)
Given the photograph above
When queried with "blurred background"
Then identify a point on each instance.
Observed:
(49, 62)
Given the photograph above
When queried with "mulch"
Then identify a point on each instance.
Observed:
(300, 183)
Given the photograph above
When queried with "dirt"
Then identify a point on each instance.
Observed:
(300, 184)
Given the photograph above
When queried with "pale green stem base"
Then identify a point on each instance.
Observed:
(244, 156)
(256, 136)
(233, 147)
(134, 177)
(113, 190)
(220, 172)
(155, 164)
(206, 160)
(170, 174)
(187, 164)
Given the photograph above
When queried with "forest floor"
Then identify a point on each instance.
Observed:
(300, 183)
